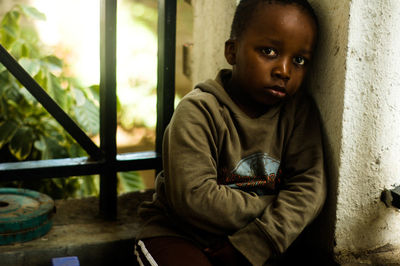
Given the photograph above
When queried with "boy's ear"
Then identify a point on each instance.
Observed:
(230, 51)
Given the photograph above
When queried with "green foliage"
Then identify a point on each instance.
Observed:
(130, 181)
(27, 131)
(144, 14)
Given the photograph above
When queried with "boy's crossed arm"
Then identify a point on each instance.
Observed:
(299, 201)
(191, 184)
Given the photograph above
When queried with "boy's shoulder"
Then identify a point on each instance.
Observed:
(198, 97)
(209, 93)
(197, 102)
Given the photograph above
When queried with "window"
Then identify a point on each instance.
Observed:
(103, 160)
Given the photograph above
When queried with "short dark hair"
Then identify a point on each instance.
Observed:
(246, 8)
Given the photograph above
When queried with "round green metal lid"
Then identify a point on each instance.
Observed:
(24, 215)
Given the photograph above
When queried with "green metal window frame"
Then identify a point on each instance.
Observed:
(103, 160)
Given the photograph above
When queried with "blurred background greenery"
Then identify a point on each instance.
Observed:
(58, 43)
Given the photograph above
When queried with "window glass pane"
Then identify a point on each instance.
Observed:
(136, 74)
(61, 54)
(57, 42)
(72, 28)
(136, 85)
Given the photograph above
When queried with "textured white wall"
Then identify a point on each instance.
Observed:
(355, 82)
(371, 128)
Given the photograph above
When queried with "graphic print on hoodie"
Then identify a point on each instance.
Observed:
(258, 173)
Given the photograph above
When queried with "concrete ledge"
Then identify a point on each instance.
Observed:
(79, 231)
(385, 256)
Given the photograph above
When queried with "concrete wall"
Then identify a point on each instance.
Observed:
(212, 21)
(327, 85)
(355, 82)
(371, 119)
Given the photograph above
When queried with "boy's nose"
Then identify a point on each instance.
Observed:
(282, 69)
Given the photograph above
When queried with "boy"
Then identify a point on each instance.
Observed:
(242, 156)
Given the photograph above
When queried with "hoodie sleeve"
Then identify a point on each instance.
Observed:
(190, 159)
(300, 199)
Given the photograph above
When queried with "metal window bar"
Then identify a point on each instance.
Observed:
(104, 160)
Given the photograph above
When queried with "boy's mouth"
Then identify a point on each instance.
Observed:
(277, 91)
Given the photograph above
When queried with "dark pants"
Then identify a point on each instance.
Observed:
(174, 251)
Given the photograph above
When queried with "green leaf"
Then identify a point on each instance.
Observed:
(87, 116)
(14, 16)
(55, 90)
(4, 85)
(53, 63)
(76, 150)
(2, 67)
(31, 120)
(32, 66)
(79, 97)
(32, 12)
(89, 186)
(11, 18)
(53, 149)
(95, 89)
(7, 131)
(10, 31)
(130, 181)
(28, 96)
(16, 48)
(50, 126)
(41, 78)
(40, 144)
(71, 187)
(25, 50)
(13, 95)
(31, 42)
(21, 143)
(91, 93)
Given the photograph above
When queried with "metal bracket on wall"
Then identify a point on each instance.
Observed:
(187, 61)
(391, 197)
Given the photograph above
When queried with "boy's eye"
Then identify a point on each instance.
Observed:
(299, 60)
(269, 51)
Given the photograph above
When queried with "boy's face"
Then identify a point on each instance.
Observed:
(270, 58)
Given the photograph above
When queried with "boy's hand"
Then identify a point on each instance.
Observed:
(225, 254)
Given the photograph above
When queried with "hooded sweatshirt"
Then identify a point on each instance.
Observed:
(258, 181)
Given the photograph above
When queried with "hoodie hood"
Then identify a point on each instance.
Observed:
(216, 88)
